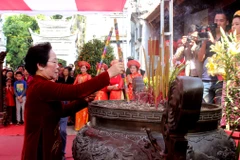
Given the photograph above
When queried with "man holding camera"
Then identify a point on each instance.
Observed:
(212, 88)
(188, 50)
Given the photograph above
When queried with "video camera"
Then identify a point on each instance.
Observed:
(203, 30)
(190, 39)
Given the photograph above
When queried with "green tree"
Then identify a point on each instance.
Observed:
(91, 52)
(16, 29)
(41, 17)
(64, 63)
(57, 16)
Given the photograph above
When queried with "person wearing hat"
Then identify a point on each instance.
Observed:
(128, 70)
(84, 76)
(82, 115)
(116, 86)
(102, 94)
(133, 66)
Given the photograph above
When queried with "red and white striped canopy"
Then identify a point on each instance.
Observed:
(62, 5)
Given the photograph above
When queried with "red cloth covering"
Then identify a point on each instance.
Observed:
(116, 94)
(133, 63)
(103, 66)
(35, 6)
(130, 86)
(9, 96)
(84, 63)
(43, 110)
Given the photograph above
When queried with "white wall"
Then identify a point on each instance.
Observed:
(147, 32)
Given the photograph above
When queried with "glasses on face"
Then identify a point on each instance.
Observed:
(53, 62)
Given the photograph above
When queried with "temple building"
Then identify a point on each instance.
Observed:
(58, 33)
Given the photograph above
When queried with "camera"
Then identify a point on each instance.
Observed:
(203, 30)
(190, 39)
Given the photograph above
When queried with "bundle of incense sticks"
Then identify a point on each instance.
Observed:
(159, 75)
(145, 58)
(151, 76)
(166, 69)
(165, 58)
(104, 51)
(120, 55)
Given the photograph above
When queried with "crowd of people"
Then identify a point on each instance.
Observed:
(194, 51)
(15, 87)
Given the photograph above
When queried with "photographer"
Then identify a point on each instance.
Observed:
(212, 88)
(188, 50)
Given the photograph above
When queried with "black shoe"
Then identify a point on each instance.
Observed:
(18, 124)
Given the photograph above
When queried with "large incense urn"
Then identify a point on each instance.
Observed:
(139, 131)
(206, 140)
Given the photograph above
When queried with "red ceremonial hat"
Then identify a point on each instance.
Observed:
(84, 63)
(114, 61)
(133, 63)
(103, 66)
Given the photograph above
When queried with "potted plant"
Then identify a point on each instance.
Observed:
(226, 62)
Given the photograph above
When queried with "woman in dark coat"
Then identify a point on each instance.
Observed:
(65, 79)
(43, 108)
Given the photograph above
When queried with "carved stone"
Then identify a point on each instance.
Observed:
(100, 144)
(207, 141)
(181, 114)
